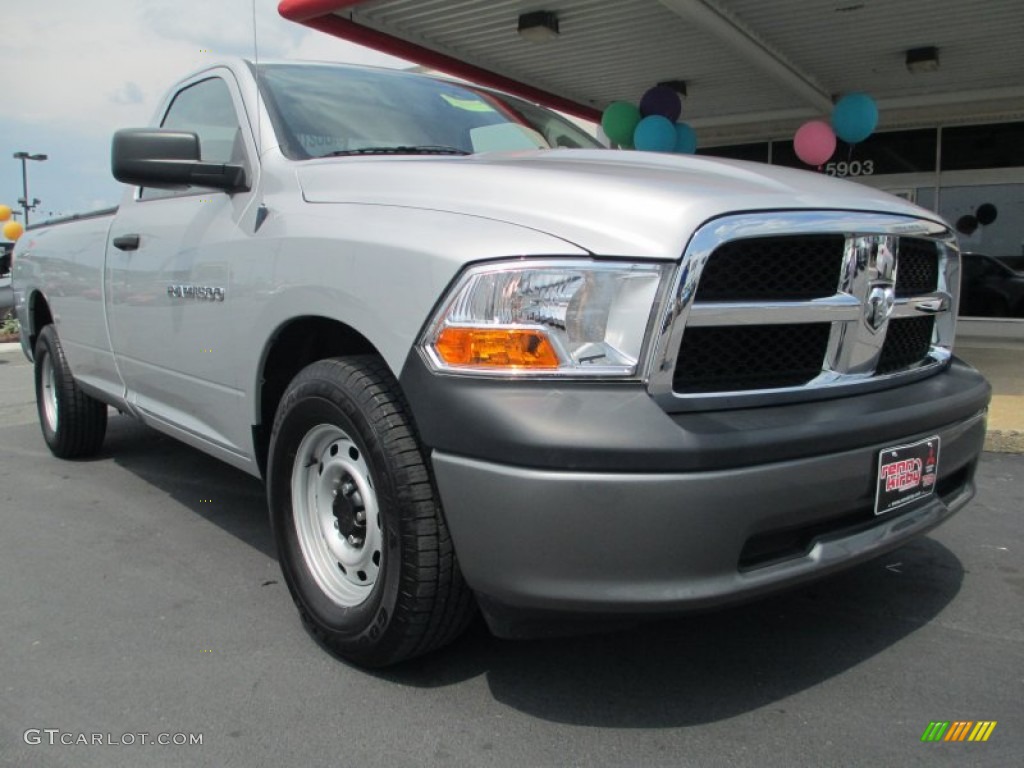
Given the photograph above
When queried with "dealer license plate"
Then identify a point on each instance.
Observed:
(906, 473)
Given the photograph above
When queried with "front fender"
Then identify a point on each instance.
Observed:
(380, 270)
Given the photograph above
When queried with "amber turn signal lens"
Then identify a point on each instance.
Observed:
(489, 348)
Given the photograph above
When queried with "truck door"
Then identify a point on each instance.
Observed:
(172, 259)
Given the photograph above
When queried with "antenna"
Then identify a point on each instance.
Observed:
(261, 209)
(256, 74)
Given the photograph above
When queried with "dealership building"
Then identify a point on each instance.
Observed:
(945, 76)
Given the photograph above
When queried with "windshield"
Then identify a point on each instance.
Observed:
(329, 110)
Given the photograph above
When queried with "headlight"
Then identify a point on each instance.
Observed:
(565, 318)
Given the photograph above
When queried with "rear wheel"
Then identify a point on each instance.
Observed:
(74, 424)
(360, 532)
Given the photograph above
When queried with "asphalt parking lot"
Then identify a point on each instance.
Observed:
(141, 595)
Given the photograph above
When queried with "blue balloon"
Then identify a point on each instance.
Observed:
(854, 117)
(686, 139)
(655, 134)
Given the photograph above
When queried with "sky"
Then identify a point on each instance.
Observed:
(74, 72)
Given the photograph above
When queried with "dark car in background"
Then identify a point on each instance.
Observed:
(990, 288)
(6, 293)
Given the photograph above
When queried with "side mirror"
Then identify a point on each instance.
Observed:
(169, 159)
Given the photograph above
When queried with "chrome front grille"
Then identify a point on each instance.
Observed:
(907, 342)
(744, 357)
(918, 267)
(773, 269)
(777, 307)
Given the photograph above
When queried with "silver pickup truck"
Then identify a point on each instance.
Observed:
(482, 362)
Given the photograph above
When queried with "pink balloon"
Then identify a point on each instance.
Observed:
(814, 142)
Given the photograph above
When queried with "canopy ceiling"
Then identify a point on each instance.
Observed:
(753, 69)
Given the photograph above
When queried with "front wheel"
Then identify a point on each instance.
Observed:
(361, 537)
(74, 424)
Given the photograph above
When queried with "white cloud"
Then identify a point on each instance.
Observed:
(319, 46)
(129, 93)
(100, 67)
(78, 71)
(225, 25)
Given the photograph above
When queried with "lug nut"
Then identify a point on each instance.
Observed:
(360, 516)
(355, 541)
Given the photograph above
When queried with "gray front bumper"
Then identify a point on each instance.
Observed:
(574, 542)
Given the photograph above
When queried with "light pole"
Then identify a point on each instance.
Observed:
(23, 156)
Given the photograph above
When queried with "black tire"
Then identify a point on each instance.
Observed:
(74, 424)
(417, 601)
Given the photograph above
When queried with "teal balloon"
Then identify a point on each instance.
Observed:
(619, 121)
(686, 139)
(855, 117)
(655, 134)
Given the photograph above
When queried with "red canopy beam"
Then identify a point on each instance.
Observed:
(320, 14)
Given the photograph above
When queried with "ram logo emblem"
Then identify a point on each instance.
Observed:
(879, 306)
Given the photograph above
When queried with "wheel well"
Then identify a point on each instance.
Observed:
(39, 316)
(295, 345)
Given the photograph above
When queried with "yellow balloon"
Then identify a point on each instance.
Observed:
(13, 230)
(5, 212)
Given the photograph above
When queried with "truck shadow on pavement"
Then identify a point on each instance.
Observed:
(669, 673)
(711, 666)
(227, 497)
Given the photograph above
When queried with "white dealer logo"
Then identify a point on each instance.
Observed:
(902, 475)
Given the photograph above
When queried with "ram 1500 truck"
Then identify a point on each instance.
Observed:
(481, 361)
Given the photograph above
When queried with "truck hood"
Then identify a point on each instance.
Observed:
(608, 202)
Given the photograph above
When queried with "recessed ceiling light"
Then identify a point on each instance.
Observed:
(538, 26)
(923, 59)
(679, 86)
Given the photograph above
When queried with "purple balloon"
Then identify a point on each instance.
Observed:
(661, 100)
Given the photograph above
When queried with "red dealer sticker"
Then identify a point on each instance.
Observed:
(906, 473)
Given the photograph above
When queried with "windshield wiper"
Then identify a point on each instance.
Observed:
(420, 150)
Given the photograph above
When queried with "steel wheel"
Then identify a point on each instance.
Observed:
(48, 395)
(336, 515)
(361, 537)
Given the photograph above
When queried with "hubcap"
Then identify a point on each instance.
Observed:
(49, 393)
(336, 515)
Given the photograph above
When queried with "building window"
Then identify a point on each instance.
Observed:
(969, 147)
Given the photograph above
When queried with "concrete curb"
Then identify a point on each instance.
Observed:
(1004, 441)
